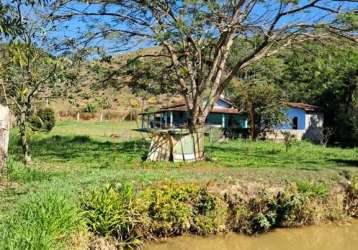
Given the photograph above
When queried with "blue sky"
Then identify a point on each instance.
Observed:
(79, 26)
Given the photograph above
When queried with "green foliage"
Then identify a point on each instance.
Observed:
(43, 120)
(176, 209)
(288, 139)
(17, 171)
(263, 102)
(90, 108)
(312, 189)
(351, 198)
(110, 211)
(44, 221)
(326, 76)
(264, 212)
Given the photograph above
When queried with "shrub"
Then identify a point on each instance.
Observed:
(313, 189)
(263, 212)
(176, 209)
(294, 209)
(209, 213)
(111, 211)
(90, 108)
(43, 120)
(168, 210)
(351, 197)
(255, 215)
(43, 221)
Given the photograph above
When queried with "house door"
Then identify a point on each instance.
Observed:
(295, 123)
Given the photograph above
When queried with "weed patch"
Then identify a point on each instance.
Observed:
(44, 221)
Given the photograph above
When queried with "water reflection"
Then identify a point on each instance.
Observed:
(327, 237)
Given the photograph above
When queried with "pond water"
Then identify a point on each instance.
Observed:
(324, 237)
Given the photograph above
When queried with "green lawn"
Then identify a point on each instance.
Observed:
(43, 198)
(79, 155)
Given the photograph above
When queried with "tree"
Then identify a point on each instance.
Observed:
(25, 71)
(265, 105)
(11, 24)
(28, 72)
(197, 36)
(325, 75)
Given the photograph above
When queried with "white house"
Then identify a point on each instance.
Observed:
(305, 121)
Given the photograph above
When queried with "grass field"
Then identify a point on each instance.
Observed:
(76, 156)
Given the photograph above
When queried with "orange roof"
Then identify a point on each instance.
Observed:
(304, 106)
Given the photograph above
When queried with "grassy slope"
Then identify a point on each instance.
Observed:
(76, 156)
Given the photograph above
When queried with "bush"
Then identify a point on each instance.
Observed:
(351, 197)
(177, 209)
(43, 120)
(90, 108)
(111, 211)
(44, 221)
(313, 189)
(256, 215)
(294, 209)
(264, 212)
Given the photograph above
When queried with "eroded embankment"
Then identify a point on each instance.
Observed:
(118, 216)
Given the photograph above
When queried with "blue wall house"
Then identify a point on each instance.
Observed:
(303, 120)
(223, 115)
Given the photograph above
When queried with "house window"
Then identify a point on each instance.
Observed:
(295, 123)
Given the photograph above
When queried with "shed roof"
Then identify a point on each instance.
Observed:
(304, 106)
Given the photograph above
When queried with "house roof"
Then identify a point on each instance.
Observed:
(304, 106)
(181, 107)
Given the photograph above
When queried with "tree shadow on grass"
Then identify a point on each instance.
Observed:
(345, 162)
(84, 148)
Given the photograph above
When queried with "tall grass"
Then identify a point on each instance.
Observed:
(17, 171)
(43, 221)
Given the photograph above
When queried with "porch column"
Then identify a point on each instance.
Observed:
(142, 121)
(223, 121)
(160, 120)
(171, 119)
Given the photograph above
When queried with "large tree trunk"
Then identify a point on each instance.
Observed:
(5, 124)
(23, 138)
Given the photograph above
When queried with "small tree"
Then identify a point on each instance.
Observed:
(264, 104)
(288, 139)
(324, 135)
(27, 72)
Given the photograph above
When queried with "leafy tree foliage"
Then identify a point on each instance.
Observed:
(264, 104)
(326, 75)
(43, 120)
(25, 72)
